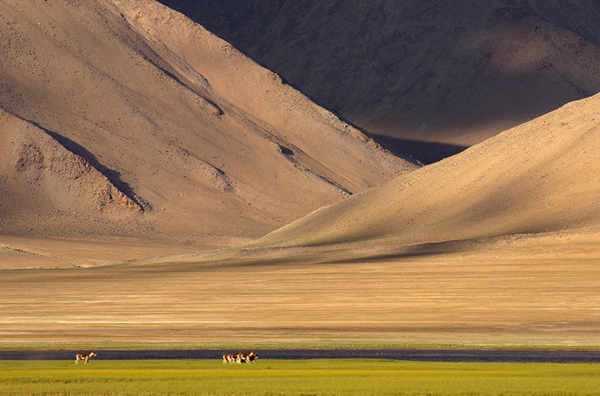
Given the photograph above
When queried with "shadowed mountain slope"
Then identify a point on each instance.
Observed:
(125, 118)
(537, 177)
(427, 78)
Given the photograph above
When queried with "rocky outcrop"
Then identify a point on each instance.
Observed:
(46, 168)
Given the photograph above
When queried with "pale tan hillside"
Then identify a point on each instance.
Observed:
(537, 177)
(428, 78)
(126, 119)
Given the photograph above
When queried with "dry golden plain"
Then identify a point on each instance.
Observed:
(517, 292)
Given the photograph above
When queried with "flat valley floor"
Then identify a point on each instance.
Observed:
(518, 293)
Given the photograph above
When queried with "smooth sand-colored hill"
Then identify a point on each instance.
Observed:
(428, 78)
(540, 176)
(124, 118)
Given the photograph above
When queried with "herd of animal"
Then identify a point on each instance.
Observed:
(236, 358)
(240, 358)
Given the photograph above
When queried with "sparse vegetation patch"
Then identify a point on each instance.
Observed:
(8, 249)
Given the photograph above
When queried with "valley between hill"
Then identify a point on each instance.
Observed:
(158, 187)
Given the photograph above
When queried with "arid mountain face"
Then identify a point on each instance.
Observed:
(427, 78)
(541, 176)
(124, 118)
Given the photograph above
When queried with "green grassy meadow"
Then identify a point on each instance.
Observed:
(296, 377)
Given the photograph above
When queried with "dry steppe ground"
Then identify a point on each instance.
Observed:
(517, 292)
(19, 252)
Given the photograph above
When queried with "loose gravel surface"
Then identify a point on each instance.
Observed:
(437, 355)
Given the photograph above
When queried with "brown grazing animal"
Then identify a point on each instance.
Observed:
(240, 358)
(83, 356)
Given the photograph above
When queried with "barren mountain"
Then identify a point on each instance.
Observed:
(427, 78)
(125, 118)
(537, 177)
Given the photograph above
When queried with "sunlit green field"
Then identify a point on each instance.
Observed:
(300, 377)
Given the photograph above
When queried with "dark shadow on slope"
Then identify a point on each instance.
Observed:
(113, 176)
(397, 65)
(393, 145)
(414, 251)
(425, 152)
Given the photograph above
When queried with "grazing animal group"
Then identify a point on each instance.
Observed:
(236, 358)
(84, 356)
(240, 358)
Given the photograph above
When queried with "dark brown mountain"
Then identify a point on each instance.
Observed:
(427, 78)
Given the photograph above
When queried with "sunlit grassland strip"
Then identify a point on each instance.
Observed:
(300, 377)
